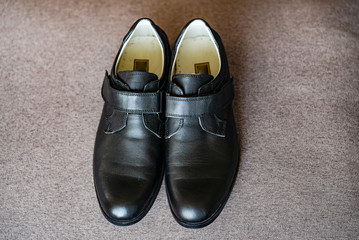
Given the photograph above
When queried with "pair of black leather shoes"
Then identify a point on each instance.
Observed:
(167, 117)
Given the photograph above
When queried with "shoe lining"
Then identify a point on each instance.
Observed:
(197, 47)
(143, 46)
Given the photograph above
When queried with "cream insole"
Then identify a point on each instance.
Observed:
(142, 48)
(197, 52)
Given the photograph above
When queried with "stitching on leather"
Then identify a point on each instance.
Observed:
(203, 98)
(176, 87)
(166, 128)
(135, 94)
(146, 122)
(182, 116)
(124, 119)
(180, 125)
(136, 73)
(112, 131)
(175, 99)
(208, 131)
(222, 123)
(136, 111)
(191, 75)
(111, 101)
(198, 115)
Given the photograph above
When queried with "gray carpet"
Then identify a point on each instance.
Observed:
(296, 71)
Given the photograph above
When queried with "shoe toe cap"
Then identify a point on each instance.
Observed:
(191, 214)
(120, 212)
(126, 204)
(196, 203)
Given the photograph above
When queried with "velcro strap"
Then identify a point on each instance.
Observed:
(131, 102)
(178, 107)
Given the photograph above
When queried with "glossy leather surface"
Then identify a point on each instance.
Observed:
(201, 144)
(128, 160)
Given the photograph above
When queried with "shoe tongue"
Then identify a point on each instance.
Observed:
(191, 83)
(136, 80)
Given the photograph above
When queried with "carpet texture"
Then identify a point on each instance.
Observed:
(296, 70)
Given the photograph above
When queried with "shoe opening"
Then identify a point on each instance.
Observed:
(197, 51)
(142, 51)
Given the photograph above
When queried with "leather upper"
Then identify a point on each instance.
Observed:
(201, 144)
(128, 158)
(123, 102)
(132, 102)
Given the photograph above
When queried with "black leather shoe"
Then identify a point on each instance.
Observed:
(201, 138)
(128, 158)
